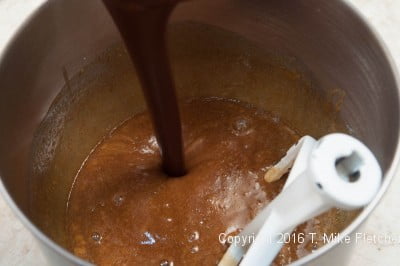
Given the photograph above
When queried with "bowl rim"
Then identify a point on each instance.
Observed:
(395, 163)
(388, 176)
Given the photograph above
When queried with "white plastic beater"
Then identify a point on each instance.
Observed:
(336, 171)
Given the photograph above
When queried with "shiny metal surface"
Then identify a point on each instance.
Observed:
(332, 42)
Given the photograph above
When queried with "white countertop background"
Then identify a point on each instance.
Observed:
(18, 247)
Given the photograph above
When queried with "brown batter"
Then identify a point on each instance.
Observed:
(123, 210)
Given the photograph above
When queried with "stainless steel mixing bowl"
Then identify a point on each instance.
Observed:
(328, 37)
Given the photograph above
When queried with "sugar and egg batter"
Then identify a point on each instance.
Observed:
(123, 210)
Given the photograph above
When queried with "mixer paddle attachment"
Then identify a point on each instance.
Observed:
(335, 171)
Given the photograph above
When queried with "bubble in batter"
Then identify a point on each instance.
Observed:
(96, 237)
(194, 236)
(242, 126)
(194, 249)
(166, 263)
(118, 200)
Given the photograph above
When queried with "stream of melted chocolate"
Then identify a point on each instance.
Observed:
(142, 24)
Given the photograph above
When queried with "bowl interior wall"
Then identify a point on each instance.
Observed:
(40, 151)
